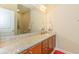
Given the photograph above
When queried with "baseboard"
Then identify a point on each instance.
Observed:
(63, 51)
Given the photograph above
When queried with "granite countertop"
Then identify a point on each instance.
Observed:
(16, 45)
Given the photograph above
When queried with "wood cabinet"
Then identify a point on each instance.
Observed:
(48, 45)
(36, 49)
(44, 47)
(51, 43)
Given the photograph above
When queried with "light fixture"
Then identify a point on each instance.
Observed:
(43, 8)
(18, 10)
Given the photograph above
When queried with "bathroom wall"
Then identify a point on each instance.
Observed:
(65, 21)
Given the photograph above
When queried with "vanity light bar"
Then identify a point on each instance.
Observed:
(41, 7)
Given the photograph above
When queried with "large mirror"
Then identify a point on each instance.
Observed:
(19, 19)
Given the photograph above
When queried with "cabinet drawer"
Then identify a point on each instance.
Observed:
(36, 49)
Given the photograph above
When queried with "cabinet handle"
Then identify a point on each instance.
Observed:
(30, 52)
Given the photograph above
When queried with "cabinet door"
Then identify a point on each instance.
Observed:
(45, 47)
(54, 41)
(36, 49)
(51, 43)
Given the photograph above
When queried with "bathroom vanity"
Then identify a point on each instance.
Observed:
(43, 47)
(34, 43)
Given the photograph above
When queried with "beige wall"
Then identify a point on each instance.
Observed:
(65, 21)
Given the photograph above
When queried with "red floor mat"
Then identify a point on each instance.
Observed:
(58, 52)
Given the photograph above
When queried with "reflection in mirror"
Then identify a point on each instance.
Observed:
(6, 22)
(27, 18)
(23, 20)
